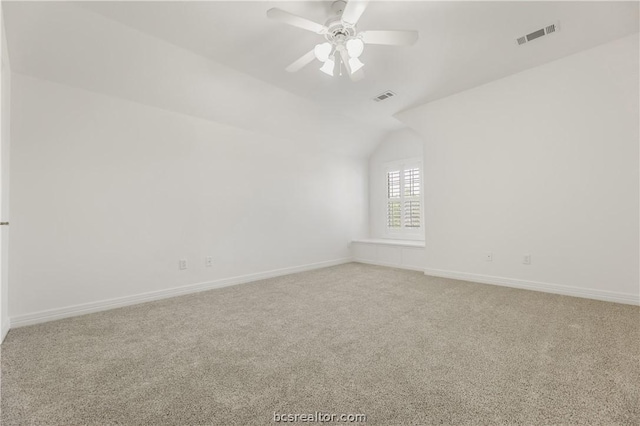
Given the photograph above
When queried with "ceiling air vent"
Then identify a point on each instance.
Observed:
(553, 28)
(385, 95)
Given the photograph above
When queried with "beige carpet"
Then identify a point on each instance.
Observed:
(395, 345)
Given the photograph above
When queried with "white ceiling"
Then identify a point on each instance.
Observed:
(461, 45)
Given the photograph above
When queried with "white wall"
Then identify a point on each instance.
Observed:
(399, 145)
(95, 53)
(108, 195)
(5, 133)
(544, 162)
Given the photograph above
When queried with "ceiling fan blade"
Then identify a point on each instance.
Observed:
(354, 10)
(304, 60)
(390, 38)
(295, 20)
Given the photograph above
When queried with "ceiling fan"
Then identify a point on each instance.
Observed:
(344, 43)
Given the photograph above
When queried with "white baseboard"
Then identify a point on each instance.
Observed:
(608, 296)
(389, 265)
(103, 305)
(6, 324)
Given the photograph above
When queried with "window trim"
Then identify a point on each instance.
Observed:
(403, 233)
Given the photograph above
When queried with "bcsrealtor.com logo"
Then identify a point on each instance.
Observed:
(318, 417)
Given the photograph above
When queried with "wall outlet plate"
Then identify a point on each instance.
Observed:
(182, 264)
(488, 257)
(526, 259)
(208, 261)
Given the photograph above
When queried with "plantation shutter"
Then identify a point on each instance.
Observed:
(404, 198)
(412, 208)
(394, 204)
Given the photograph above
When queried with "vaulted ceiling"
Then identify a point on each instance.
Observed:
(225, 61)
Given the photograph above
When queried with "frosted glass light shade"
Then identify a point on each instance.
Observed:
(328, 66)
(355, 64)
(322, 51)
(355, 47)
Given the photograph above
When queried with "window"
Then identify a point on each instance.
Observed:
(404, 199)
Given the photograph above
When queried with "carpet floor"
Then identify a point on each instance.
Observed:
(397, 346)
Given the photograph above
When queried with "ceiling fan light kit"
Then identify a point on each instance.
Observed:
(322, 51)
(355, 47)
(344, 44)
(355, 64)
(328, 67)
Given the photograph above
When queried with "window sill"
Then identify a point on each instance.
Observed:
(401, 243)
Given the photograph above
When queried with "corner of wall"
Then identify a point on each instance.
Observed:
(6, 326)
(5, 97)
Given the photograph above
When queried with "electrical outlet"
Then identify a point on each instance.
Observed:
(182, 264)
(526, 259)
(208, 261)
(488, 257)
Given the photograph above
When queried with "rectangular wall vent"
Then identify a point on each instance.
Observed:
(549, 29)
(534, 35)
(385, 95)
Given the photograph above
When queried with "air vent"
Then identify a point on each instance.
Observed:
(534, 35)
(385, 95)
(549, 29)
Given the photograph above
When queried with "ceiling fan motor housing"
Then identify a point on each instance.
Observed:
(338, 32)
